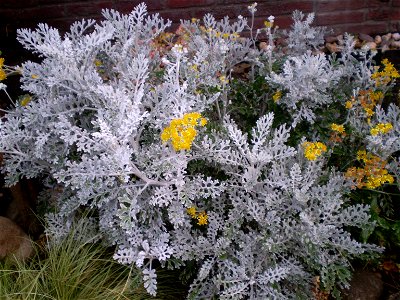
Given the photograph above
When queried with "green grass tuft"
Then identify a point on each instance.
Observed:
(68, 271)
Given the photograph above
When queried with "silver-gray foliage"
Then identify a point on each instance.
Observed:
(275, 219)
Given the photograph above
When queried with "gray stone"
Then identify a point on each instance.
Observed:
(365, 37)
(378, 39)
(364, 286)
(396, 36)
(14, 242)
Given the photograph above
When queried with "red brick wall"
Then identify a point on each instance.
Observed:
(367, 16)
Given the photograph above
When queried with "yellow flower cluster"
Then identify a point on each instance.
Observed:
(368, 99)
(313, 150)
(277, 96)
(338, 133)
(372, 175)
(223, 79)
(215, 33)
(3, 74)
(268, 24)
(337, 128)
(387, 75)
(349, 104)
(182, 131)
(202, 217)
(381, 128)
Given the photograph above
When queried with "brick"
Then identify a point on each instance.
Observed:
(373, 28)
(340, 18)
(43, 13)
(176, 15)
(219, 12)
(9, 14)
(282, 22)
(283, 7)
(188, 3)
(394, 26)
(379, 14)
(18, 4)
(128, 6)
(378, 3)
(46, 2)
(87, 9)
(339, 5)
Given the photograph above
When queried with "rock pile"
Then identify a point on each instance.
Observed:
(389, 41)
(14, 242)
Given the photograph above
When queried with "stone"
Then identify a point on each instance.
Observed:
(385, 48)
(386, 37)
(369, 46)
(396, 36)
(332, 47)
(395, 44)
(364, 286)
(14, 242)
(365, 37)
(263, 46)
(358, 43)
(378, 39)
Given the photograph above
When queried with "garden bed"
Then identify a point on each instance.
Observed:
(269, 185)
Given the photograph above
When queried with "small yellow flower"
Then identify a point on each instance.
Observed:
(202, 218)
(381, 128)
(277, 96)
(268, 24)
(372, 175)
(337, 128)
(192, 212)
(195, 67)
(223, 79)
(98, 63)
(385, 76)
(34, 76)
(349, 104)
(3, 75)
(166, 134)
(369, 112)
(182, 132)
(203, 122)
(361, 155)
(25, 100)
(235, 36)
(313, 150)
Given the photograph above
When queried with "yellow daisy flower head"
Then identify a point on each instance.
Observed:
(277, 96)
(202, 218)
(182, 132)
(192, 212)
(312, 150)
(337, 128)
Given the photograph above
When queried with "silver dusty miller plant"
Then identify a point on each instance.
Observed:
(115, 124)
